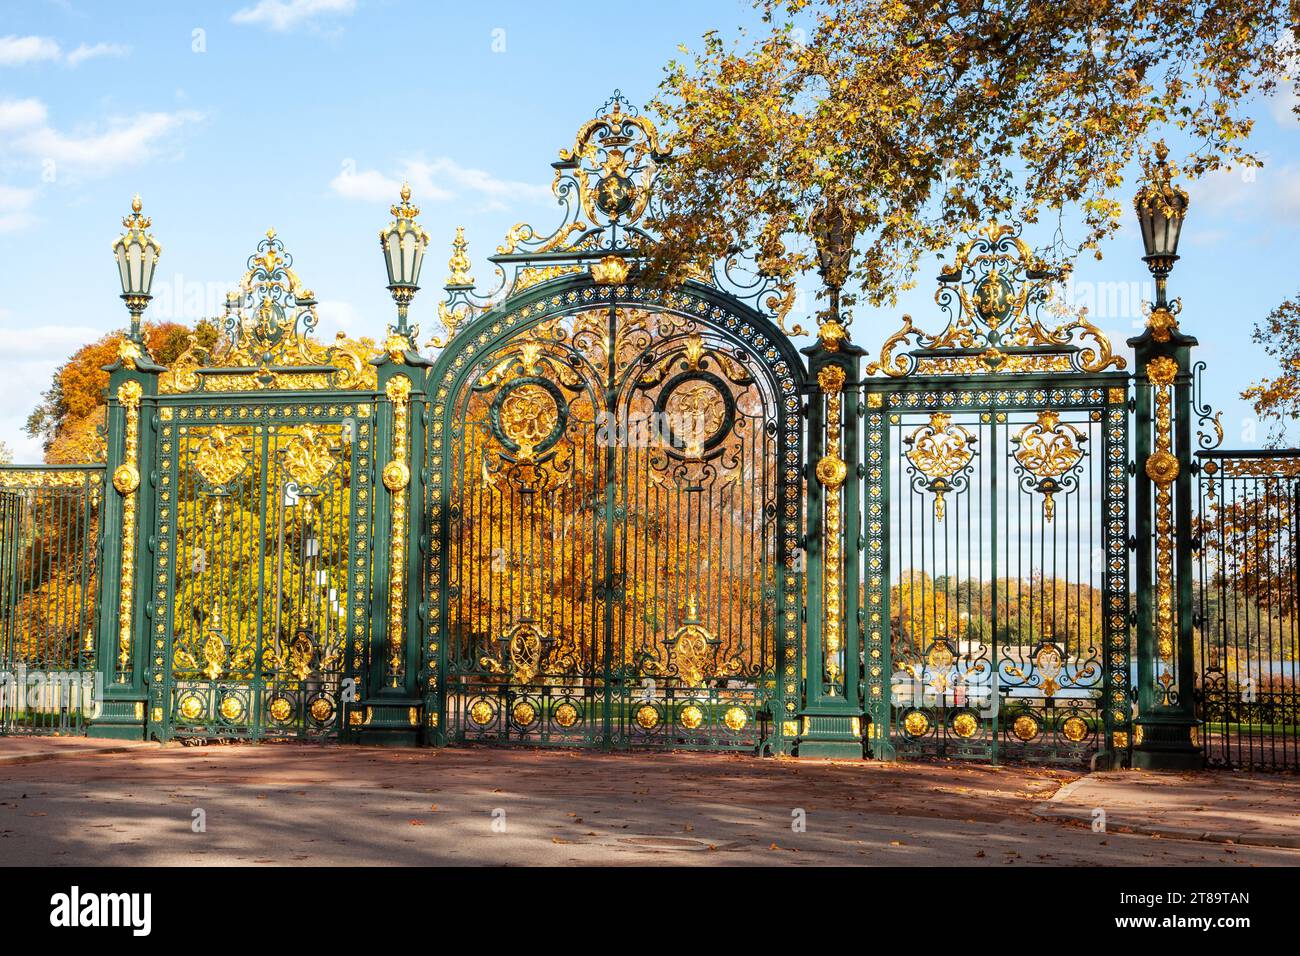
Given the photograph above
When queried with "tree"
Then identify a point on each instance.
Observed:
(924, 117)
(71, 413)
(1277, 399)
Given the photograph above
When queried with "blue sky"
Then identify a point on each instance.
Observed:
(230, 118)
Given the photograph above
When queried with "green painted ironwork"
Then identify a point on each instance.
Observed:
(49, 585)
(1247, 586)
(996, 616)
(614, 514)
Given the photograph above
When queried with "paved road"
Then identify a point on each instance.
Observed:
(292, 804)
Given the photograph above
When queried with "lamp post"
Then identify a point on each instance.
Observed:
(1163, 493)
(137, 254)
(1161, 207)
(832, 230)
(404, 243)
(831, 715)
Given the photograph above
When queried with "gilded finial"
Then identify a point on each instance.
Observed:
(459, 263)
(136, 203)
(406, 192)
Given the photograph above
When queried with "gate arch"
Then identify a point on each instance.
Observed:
(615, 493)
(613, 484)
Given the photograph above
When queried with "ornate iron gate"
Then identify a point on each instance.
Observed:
(615, 490)
(996, 559)
(49, 587)
(1247, 588)
(265, 474)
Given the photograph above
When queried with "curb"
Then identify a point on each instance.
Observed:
(43, 755)
(1281, 841)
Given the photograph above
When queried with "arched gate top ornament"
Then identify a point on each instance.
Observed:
(605, 184)
(996, 293)
(267, 338)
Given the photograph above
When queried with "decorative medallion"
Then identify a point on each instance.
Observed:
(566, 715)
(1049, 661)
(280, 709)
(965, 724)
(214, 656)
(699, 409)
(735, 718)
(524, 714)
(692, 648)
(482, 712)
(997, 295)
(126, 478)
(396, 475)
(1025, 728)
(691, 717)
(940, 451)
(191, 706)
(528, 416)
(647, 717)
(321, 709)
(1048, 450)
(309, 458)
(301, 654)
(219, 459)
(232, 708)
(1075, 729)
(916, 723)
(1163, 467)
(611, 270)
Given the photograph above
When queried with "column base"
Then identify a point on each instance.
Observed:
(1166, 745)
(120, 718)
(835, 735)
(388, 721)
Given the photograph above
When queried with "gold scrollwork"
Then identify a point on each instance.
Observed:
(398, 390)
(1000, 287)
(831, 471)
(1163, 467)
(128, 396)
(309, 459)
(939, 450)
(1048, 449)
(219, 458)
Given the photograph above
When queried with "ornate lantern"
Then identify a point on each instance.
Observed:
(137, 254)
(404, 243)
(832, 230)
(1161, 207)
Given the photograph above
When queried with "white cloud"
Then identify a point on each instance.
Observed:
(89, 150)
(19, 51)
(20, 114)
(369, 185)
(14, 206)
(88, 51)
(284, 15)
(440, 180)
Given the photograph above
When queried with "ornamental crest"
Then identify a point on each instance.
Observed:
(996, 295)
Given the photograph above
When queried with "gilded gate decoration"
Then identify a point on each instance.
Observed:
(261, 569)
(996, 551)
(613, 487)
(611, 513)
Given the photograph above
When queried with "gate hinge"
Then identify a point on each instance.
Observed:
(1132, 542)
(1132, 468)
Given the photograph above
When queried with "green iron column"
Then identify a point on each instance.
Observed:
(1163, 498)
(390, 712)
(832, 712)
(1162, 736)
(124, 651)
